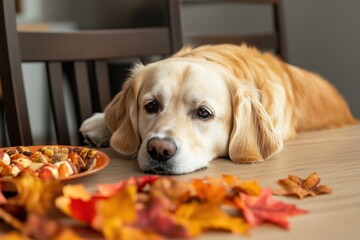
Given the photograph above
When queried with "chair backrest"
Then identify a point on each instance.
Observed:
(72, 52)
(274, 40)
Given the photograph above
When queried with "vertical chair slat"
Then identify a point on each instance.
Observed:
(82, 91)
(55, 80)
(102, 83)
(15, 108)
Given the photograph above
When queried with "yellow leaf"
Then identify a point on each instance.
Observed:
(251, 187)
(13, 236)
(115, 212)
(67, 234)
(138, 234)
(32, 191)
(231, 180)
(198, 217)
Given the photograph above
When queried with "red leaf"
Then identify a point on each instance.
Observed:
(109, 190)
(85, 210)
(155, 216)
(264, 208)
(145, 180)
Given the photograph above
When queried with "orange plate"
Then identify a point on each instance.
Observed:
(7, 184)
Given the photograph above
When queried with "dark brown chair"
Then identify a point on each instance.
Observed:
(71, 52)
(275, 40)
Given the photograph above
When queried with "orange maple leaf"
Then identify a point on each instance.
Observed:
(250, 187)
(295, 186)
(210, 189)
(264, 208)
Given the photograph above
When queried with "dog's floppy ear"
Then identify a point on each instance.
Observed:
(121, 116)
(253, 137)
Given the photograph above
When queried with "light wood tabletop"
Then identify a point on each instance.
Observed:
(334, 154)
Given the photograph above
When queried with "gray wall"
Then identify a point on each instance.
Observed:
(322, 35)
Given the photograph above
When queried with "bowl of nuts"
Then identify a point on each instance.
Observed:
(49, 161)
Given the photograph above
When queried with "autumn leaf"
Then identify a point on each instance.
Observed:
(35, 194)
(141, 183)
(295, 186)
(149, 207)
(130, 233)
(231, 180)
(111, 189)
(78, 203)
(41, 227)
(71, 192)
(13, 236)
(147, 180)
(171, 191)
(66, 234)
(198, 217)
(264, 208)
(155, 216)
(250, 187)
(84, 211)
(210, 189)
(114, 214)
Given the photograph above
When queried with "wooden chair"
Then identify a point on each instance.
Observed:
(72, 51)
(274, 40)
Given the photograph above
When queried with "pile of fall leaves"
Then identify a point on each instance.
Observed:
(149, 207)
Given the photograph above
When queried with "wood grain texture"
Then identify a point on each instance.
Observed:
(333, 154)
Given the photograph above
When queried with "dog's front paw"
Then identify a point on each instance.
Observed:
(95, 131)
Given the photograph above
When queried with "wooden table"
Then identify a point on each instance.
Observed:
(334, 154)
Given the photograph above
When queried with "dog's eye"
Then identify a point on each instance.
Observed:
(152, 106)
(203, 113)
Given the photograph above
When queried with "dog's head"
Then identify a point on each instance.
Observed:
(178, 114)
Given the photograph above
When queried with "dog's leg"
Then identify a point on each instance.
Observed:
(95, 130)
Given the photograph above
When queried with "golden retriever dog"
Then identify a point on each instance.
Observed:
(213, 101)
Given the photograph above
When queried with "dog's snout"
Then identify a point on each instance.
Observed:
(161, 149)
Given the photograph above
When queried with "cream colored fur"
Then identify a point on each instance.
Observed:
(256, 101)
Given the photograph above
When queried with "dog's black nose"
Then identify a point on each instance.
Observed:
(161, 150)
